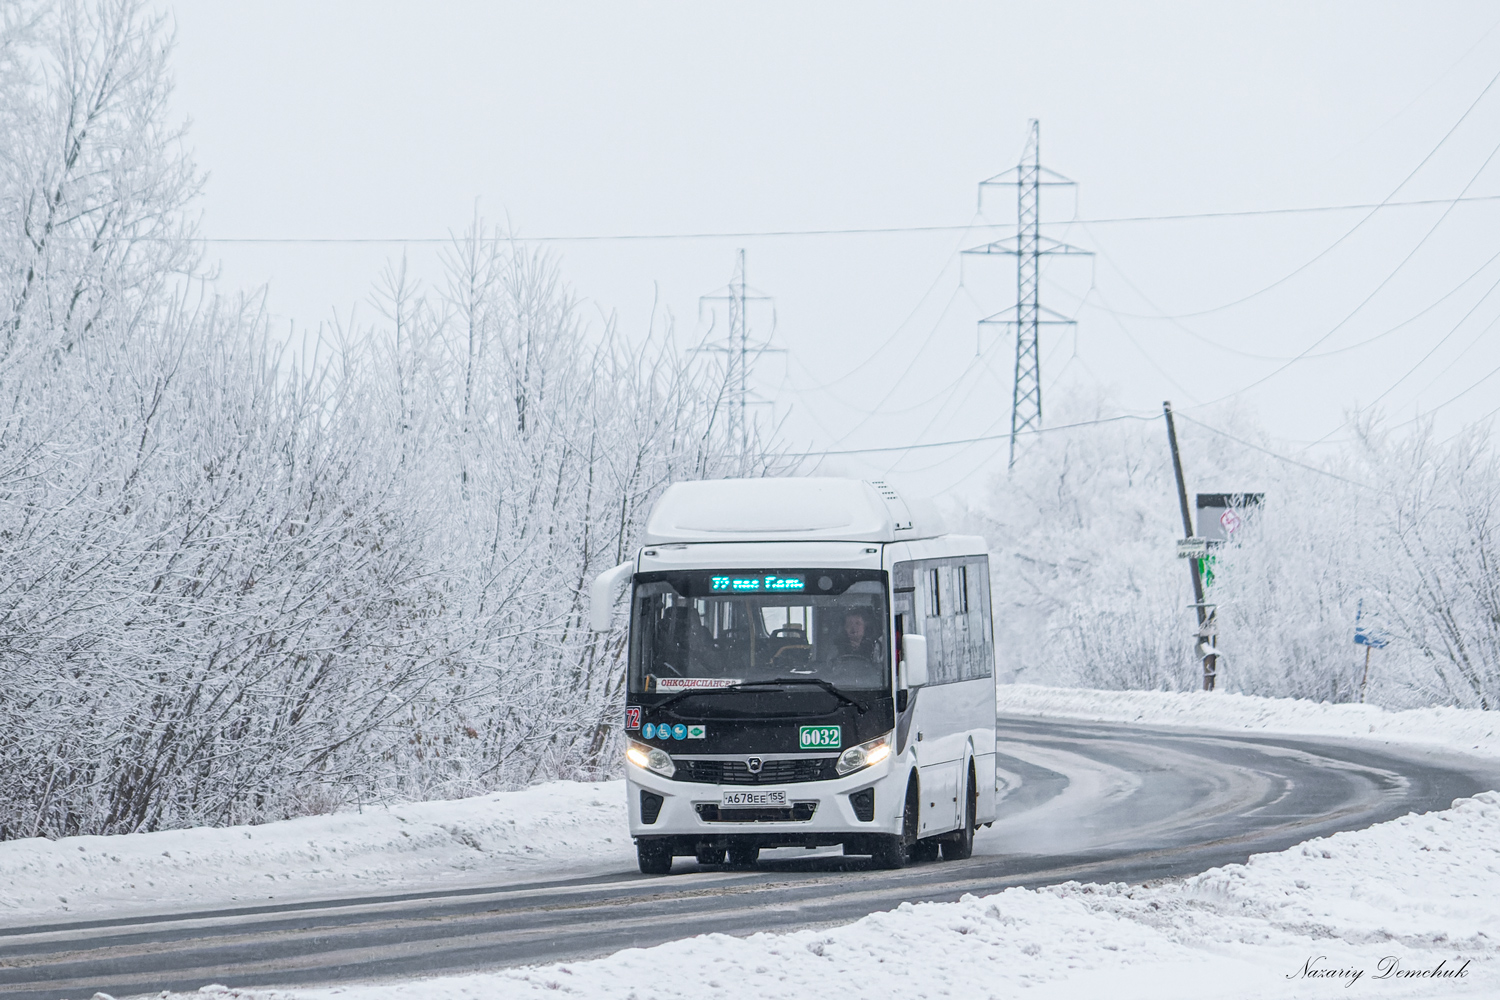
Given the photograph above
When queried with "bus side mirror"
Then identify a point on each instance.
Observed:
(913, 661)
(605, 592)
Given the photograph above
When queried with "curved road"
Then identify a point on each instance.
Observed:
(1086, 801)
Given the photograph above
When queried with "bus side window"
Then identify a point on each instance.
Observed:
(982, 638)
(934, 600)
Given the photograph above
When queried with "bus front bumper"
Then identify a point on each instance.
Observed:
(817, 812)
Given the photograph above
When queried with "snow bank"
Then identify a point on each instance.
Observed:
(550, 829)
(1418, 894)
(554, 829)
(1459, 729)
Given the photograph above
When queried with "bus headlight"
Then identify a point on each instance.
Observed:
(651, 758)
(864, 755)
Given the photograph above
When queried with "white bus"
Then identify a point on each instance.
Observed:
(808, 666)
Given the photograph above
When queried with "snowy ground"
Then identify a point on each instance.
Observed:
(549, 830)
(1422, 892)
(1457, 729)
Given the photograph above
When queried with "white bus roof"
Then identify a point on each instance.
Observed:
(800, 509)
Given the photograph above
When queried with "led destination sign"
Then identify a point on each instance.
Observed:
(756, 584)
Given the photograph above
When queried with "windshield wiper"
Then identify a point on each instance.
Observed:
(828, 686)
(817, 681)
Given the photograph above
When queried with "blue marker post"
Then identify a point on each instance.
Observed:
(1369, 636)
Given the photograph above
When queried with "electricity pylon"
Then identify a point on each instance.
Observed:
(739, 352)
(1028, 246)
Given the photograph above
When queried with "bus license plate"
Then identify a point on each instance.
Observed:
(775, 797)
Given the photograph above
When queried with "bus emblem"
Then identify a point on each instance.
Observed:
(753, 764)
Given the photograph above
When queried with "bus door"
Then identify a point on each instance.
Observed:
(938, 741)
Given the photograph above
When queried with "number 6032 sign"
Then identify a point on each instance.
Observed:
(819, 737)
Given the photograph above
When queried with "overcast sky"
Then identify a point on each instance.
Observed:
(395, 120)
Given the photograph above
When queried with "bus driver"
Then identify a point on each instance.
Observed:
(855, 641)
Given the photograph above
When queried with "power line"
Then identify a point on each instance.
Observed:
(952, 255)
(973, 440)
(881, 412)
(1476, 423)
(1384, 203)
(1116, 314)
(1421, 94)
(1267, 451)
(959, 404)
(1420, 243)
(1453, 399)
(891, 470)
(1469, 347)
(1094, 290)
(1096, 423)
(868, 415)
(1285, 277)
(1434, 349)
(1254, 213)
(1430, 410)
(1378, 288)
(782, 233)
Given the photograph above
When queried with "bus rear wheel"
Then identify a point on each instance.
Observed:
(654, 856)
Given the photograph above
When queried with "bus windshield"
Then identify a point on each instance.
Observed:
(704, 630)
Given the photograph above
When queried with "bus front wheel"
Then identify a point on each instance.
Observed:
(654, 856)
(894, 850)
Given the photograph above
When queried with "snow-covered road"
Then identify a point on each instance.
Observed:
(1087, 801)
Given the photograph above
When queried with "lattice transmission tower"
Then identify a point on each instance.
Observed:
(1028, 246)
(739, 353)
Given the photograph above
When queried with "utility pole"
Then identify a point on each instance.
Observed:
(738, 352)
(1206, 624)
(1028, 246)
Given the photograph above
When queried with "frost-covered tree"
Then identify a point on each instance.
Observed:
(1088, 591)
(1440, 568)
(239, 581)
(93, 180)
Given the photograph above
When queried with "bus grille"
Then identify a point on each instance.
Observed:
(800, 812)
(772, 772)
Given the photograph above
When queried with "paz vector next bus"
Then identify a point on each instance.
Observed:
(809, 666)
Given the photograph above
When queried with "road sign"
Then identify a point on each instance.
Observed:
(1192, 548)
(1367, 630)
(1225, 515)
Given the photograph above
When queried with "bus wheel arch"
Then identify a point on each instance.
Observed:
(894, 850)
(911, 816)
(959, 845)
(920, 849)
